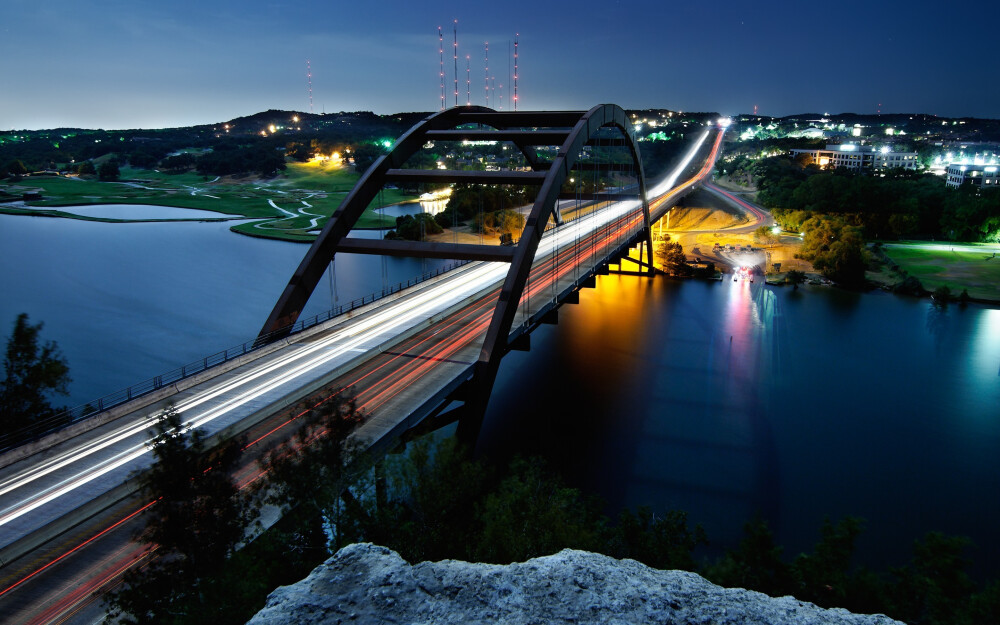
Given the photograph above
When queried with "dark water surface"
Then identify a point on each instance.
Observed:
(734, 399)
(722, 399)
(126, 302)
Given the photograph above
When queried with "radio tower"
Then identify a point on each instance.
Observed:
(516, 35)
(309, 81)
(441, 50)
(456, 61)
(508, 78)
(468, 80)
(487, 73)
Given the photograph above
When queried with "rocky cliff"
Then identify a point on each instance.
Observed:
(364, 583)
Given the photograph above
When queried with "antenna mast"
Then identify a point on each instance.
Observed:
(456, 62)
(487, 73)
(309, 80)
(441, 51)
(468, 80)
(516, 35)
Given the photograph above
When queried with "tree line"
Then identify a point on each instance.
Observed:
(901, 204)
(436, 501)
(839, 210)
(488, 209)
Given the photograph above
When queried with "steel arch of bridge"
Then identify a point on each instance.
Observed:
(570, 130)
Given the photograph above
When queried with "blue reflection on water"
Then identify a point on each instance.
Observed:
(735, 399)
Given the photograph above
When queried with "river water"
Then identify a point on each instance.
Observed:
(730, 400)
(723, 399)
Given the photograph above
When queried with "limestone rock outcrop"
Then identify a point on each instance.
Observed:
(364, 584)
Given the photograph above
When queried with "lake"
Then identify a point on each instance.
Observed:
(128, 301)
(726, 400)
(731, 399)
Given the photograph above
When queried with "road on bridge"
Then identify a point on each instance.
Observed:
(431, 334)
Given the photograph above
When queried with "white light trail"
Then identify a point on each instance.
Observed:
(668, 183)
(361, 336)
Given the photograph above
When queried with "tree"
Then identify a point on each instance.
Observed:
(662, 542)
(500, 222)
(142, 160)
(795, 278)
(108, 171)
(764, 236)
(365, 155)
(431, 496)
(935, 584)
(845, 263)
(822, 576)
(195, 524)
(86, 168)
(178, 163)
(32, 371)
(414, 227)
(942, 295)
(532, 513)
(305, 475)
(671, 254)
(16, 169)
(756, 564)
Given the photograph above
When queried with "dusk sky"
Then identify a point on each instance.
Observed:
(124, 64)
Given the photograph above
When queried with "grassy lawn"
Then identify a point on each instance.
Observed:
(311, 192)
(964, 268)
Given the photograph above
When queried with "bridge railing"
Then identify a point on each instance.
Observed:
(68, 417)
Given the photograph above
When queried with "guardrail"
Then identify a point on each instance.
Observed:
(74, 415)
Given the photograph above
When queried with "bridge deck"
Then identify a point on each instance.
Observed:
(431, 332)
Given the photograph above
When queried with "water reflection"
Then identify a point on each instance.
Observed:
(431, 207)
(937, 324)
(434, 206)
(888, 412)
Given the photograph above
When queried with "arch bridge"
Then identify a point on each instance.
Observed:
(582, 169)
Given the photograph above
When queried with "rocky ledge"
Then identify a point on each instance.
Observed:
(364, 583)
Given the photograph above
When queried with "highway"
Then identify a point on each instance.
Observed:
(389, 356)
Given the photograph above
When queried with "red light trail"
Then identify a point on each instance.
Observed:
(373, 386)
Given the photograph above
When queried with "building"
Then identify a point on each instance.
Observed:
(859, 157)
(980, 176)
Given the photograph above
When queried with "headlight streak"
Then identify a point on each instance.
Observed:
(564, 239)
(379, 323)
(392, 319)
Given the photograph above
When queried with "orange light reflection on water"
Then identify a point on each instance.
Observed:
(615, 317)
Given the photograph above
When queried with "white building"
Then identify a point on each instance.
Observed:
(982, 176)
(859, 157)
